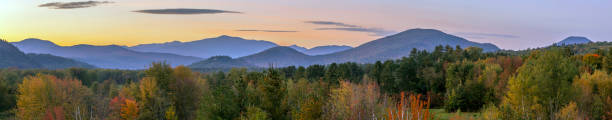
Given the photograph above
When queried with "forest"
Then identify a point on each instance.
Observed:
(557, 82)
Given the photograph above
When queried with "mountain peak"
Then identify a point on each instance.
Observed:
(574, 40)
(421, 31)
(227, 37)
(280, 56)
(37, 42)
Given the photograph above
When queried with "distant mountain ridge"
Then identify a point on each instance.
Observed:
(574, 40)
(220, 46)
(321, 50)
(391, 47)
(400, 45)
(226, 46)
(278, 56)
(110, 56)
(328, 49)
(11, 56)
(222, 62)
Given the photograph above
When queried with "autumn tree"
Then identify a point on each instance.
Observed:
(542, 85)
(187, 93)
(47, 96)
(592, 91)
(129, 109)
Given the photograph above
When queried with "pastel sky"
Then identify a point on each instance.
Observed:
(509, 24)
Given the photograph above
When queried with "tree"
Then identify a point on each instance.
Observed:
(406, 74)
(542, 85)
(315, 72)
(254, 113)
(593, 60)
(153, 105)
(187, 93)
(465, 91)
(41, 94)
(569, 112)
(7, 96)
(387, 80)
(592, 90)
(129, 109)
(274, 90)
(332, 74)
(607, 61)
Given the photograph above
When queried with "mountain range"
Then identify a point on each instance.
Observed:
(110, 56)
(390, 47)
(13, 57)
(226, 51)
(205, 48)
(227, 46)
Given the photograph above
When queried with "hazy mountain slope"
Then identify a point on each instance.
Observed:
(573, 40)
(322, 50)
(111, 56)
(399, 45)
(298, 48)
(11, 56)
(220, 62)
(55, 62)
(205, 48)
(278, 57)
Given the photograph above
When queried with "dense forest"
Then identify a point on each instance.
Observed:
(557, 82)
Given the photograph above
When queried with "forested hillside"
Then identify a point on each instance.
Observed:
(553, 83)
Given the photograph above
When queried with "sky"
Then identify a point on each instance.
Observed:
(510, 24)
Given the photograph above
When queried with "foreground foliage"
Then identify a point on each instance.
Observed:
(554, 83)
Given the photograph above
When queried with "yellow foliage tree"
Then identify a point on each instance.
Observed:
(569, 112)
(42, 94)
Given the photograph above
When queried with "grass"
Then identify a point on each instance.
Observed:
(440, 114)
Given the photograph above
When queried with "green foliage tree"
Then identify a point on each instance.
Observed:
(274, 92)
(187, 93)
(542, 85)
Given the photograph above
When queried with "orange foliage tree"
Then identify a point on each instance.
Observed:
(129, 109)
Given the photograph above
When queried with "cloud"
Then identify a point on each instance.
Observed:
(374, 31)
(331, 23)
(73, 5)
(184, 11)
(485, 35)
(349, 27)
(251, 30)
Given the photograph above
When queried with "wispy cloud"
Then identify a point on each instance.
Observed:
(374, 31)
(252, 30)
(73, 5)
(474, 35)
(184, 11)
(331, 23)
(349, 27)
